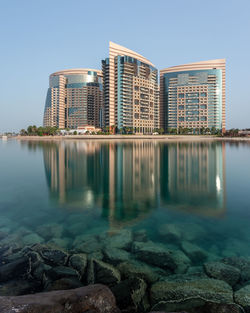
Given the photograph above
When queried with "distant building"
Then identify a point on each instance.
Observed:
(193, 95)
(74, 99)
(131, 91)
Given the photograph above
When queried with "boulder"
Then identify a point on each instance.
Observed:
(141, 270)
(58, 272)
(32, 239)
(105, 273)
(242, 263)
(154, 254)
(87, 244)
(130, 293)
(121, 240)
(79, 263)
(115, 255)
(63, 284)
(170, 232)
(50, 255)
(194, 252)
(242, 297)
(221, 271)
(19, 287)
(17, 268)
(188, 294)
(140, 235)
(181, 260)
(94, 299)
(50, 231)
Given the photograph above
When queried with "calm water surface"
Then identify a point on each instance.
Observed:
(95, 187)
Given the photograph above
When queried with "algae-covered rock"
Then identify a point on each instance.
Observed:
(181, 260)
(115, 255)
(194, 252)
(170, 232)
(58, 272)
(218, 270)
(121, 240)
(50, 231)
(154, 254)
(140, 235)
(63, 284)
(16, 268)
(17, 287)
(55, 256)
(180, 295)
(105, 273)
(242, 297)
(32, 239)
(242, 263)
(134, 268)
(79, 262)
(87, 244)
(129, 293)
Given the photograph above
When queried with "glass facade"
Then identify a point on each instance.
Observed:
(193, 99)
(74, 99)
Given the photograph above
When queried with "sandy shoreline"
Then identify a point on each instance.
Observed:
(133, 137)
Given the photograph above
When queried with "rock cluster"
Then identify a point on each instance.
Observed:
(173, 275)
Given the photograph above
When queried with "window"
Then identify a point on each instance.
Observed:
(181, 107)
(136, 115)
(136, 101)
(136, 87)
(203, 94)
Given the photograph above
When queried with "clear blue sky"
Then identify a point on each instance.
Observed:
(39, 37)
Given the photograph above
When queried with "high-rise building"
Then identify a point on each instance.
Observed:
(193, 96)
(74, 99)
(131, 91)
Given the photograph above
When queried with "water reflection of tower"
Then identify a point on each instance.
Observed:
(133, 181)
(197, 177)
(74, 172)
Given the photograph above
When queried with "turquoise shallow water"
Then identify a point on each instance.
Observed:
(94, 187)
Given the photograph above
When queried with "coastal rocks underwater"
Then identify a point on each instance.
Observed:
(176, 274)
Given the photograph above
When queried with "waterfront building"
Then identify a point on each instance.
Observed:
(131, 91)
(193, 96)
(74, 99)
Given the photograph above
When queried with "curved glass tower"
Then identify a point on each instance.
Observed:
(74, 99)
(131, 91)
(193, 95)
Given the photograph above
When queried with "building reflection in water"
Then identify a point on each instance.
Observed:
(129, 180)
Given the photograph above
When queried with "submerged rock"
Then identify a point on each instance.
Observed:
(58, 272)
(63, 284)
(242, 263)
(17, 268)
(19, 287)
(194, 252)
(94, 299)
(242, 297)
(218, 270)
(121, 240)
(105, 273)
(87, 244)
(140, 235)
(181, 260)
(141, 270)
(170, 232)
(130, 293)
(54, 256)
(154, 254)
(50, 231)
(79, 263)
(32, 239)
(115, 255)
(185, 295)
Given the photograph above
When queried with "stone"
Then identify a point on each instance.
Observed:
(19, 287)
(192, 231)
(18, 268)
(59, 243)
(79, 262)
(63, 284)
(50, 231)
(41, 272)
(220, 308)
(91, 299)
(185, 295)
(138, 269)
(194, 252)
(154, 254)
(121, 240)
(115, 255)
(242, 263)
(54, 256)
(32, 238)
(58, 272)
(221, 271)
(170, 232)
(87, 244)
(181, 260)
(129, 293)
(140, 235)
(105, 273)
(242, 297)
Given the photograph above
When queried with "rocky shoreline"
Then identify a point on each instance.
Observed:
(142, 275)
